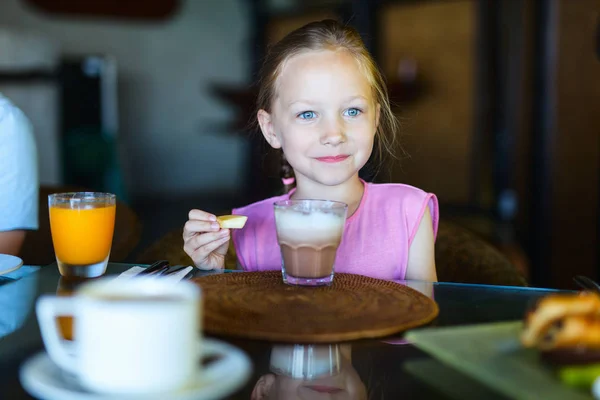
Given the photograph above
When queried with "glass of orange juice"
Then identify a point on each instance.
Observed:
(82, 226)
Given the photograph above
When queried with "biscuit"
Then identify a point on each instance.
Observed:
(232, 221)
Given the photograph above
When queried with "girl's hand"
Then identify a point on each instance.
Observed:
(204, 240)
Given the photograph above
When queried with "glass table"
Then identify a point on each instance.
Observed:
(378, 367)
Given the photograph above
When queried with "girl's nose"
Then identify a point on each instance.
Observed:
(333, 133)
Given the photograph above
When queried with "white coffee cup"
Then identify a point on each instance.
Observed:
(131, 336)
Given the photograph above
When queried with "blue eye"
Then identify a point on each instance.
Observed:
(306, 115)
(352, 112)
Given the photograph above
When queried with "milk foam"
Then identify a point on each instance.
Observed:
(316, 227)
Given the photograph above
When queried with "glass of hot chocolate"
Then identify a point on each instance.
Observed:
(309, 233)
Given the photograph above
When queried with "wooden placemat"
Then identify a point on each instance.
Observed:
(258, 305)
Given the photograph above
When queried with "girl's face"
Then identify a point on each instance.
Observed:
(346, 386)
(343, 385)
(324, 116)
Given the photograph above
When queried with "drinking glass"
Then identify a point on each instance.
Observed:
(309, 233)
(306, 361)
(82, 226)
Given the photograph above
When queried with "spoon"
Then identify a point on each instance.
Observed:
(587, 283)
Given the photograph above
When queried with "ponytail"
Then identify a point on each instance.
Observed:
(287, 175)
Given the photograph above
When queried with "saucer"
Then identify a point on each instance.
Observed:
(9, 263)
(44, 379)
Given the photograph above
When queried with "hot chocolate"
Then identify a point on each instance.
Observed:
(309, 240)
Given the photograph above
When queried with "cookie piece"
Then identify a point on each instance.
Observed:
(232, 221)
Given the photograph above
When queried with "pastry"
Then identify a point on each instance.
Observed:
(553, 308)
(565, 328)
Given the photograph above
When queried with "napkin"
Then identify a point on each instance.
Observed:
(176, 277)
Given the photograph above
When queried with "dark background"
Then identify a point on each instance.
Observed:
(499, 103)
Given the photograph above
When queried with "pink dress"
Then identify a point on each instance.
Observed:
(376, 237)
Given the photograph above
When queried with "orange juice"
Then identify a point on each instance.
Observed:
(67, 287)
(82, 236)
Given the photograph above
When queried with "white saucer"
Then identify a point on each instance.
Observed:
(44, 379)
(9, 263)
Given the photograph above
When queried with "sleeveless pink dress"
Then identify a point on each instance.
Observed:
(376, 237)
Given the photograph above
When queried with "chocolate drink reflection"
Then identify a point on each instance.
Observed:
(310, 372)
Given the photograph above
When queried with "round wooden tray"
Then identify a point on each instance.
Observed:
(258, 305)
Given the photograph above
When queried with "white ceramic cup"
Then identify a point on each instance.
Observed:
(131, 336)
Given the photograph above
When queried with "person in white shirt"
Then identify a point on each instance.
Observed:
(19, 185)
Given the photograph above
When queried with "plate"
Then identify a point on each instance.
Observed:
(9, 263)
(44, 379)
(492, 354)
(453, 384)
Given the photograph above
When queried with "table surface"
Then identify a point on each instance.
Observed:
(384, 368)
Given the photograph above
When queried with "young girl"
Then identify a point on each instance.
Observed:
(324, 103)
(310, 372)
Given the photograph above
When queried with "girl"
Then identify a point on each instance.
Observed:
(310, 372)
(324, 103)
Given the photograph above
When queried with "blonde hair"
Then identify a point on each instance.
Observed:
(329, 35)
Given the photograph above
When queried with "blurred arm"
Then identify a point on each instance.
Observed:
(11, 242)
(19, 185)
(421, 255)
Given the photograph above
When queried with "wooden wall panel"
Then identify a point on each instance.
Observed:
(575, 143)
(523, 112)
(438, 127)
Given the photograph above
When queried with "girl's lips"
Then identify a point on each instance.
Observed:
(333, 159)
(325, 389)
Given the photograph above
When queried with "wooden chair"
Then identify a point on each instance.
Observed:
(464, 257)
(461, 256)
(38, 249)
(170, 247)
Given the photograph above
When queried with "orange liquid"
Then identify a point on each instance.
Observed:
(65, 325)
(67, 288)
(82, 236)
